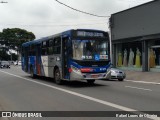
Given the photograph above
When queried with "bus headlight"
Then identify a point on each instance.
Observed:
(75, 69)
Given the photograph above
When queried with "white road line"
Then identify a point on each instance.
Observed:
(81, 95)
(155, 83)
(138, 88)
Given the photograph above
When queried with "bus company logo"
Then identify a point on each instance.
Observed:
(6, 114)
(20, 114)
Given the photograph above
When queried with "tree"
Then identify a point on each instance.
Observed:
(4, 55)
(14, 37)
(0, 38)
(0, 35)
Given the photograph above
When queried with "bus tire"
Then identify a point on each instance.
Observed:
(120, 79)
(57, 77)
(32, 73)
(90, 82)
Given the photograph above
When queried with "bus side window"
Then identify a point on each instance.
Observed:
(45, 48)
(57, 46)
(22, 49)
(32, 50)
(50, 48)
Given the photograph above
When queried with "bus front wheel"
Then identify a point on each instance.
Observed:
(90, 81)
(57, 76)
(120, 79)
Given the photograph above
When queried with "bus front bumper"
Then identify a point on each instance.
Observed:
(89, 76)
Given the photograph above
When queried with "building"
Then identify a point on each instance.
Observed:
(135, 36)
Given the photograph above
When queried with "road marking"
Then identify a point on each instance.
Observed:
(82, 96)
(138, 88)
(155, 83)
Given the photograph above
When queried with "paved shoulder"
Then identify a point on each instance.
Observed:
(143, 76)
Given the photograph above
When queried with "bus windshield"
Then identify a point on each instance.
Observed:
(90, 49)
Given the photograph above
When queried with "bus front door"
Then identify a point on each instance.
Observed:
(65, 73)
(38, 59)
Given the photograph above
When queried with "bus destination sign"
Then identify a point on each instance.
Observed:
(89, 34)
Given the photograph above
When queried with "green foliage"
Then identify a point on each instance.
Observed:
(15, 37)
(0, 35)
(14, 57)
(4, 55)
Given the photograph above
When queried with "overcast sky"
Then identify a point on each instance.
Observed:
(48, 17)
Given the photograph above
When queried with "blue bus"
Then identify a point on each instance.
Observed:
(81, 54)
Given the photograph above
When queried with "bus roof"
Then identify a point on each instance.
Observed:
(68, 32)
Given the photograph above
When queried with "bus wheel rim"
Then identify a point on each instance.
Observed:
(57, 75)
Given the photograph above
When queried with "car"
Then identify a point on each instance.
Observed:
(18, 63)
(4, 64)
(117, 74)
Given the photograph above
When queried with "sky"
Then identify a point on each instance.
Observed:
(48, 17)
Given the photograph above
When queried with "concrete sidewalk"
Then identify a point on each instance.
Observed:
(143, 76)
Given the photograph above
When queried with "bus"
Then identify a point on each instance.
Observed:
(81, 54)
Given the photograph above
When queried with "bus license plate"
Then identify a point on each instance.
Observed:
(95, 76)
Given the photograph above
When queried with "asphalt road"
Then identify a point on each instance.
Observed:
(19, 92)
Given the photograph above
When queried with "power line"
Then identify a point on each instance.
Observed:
(80, 10)
(55, 21)
(3, 2)
(54, 25)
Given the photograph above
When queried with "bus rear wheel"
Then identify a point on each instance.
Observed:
(57, 77)
(32, 73)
